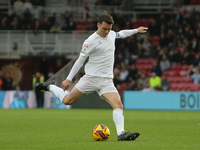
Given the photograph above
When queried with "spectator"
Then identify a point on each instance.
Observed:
(52, 19)
(171, 15)
(196, 60)
(187, 33)
(18, 4)
(191, 70)
(36, 27)
(60, 20)
(139, 50)
(154, 50)
(163, 29)
(12, 16)
(27, 16)
(133, 72)
(132, 85)
(116, 73)
(15, 24)
(142, 82)
(182, 40)
(155, 81)
(72, 24)
(118, 58)
(47, 25)
(198, 34)
(186, 58)
(123, 76)
(8, 81)
(175, 28)
(156, 68)
(177, 58)
(146, 45)
(153, 28)
(161, 20)
(170, 36)
(38, 78)
(28, 5)
(196, 77)
(67, 15)
(194, 46)
(147, 88)
(171, 56)
(163, 40)
(178, 16)
(159, 57)
(165, 83)
(3, 25)
(164, 63)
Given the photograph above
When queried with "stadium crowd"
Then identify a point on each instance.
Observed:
(173, 38)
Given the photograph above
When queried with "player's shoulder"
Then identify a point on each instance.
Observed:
(91, 39)
(112, 33)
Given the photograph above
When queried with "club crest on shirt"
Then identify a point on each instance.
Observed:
(85, 48)
(117, 35)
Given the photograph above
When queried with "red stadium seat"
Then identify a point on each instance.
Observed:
(187, 80)
(140, 66)
(139, 61)
(173, 67)
(123, 86)
(185, 67)
(183, 73)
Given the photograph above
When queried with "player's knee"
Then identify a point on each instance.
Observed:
(67, 100)
(121, 106)
(118, 105)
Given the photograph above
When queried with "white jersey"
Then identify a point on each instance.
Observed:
(100, 51)
(101, 54)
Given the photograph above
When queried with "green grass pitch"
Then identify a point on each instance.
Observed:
(50, 129)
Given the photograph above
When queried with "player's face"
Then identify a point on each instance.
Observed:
(103, 29)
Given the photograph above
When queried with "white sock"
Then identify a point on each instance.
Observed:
(118, 119)
(60, 94)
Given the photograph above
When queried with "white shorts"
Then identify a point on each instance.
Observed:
(89, 84)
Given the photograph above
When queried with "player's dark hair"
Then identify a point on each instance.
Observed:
(105, 18)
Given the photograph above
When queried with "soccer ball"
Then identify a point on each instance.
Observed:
(101, 132)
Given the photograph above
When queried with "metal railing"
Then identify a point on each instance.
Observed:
(14, 44)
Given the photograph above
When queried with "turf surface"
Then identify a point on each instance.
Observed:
(49, 129)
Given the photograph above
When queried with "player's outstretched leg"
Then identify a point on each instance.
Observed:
(125, 136)
(44, 85)
(50, 86)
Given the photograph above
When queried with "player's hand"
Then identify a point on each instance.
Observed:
(65, 84)
(142, 29)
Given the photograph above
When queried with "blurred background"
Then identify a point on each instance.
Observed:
(40, 37)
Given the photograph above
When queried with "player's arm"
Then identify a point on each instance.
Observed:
(76, 67)
(85, 51)
(127, 33)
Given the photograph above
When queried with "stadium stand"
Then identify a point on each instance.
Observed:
(179, 28)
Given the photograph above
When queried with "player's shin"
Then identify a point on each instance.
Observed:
(118, 119)
(60, 94)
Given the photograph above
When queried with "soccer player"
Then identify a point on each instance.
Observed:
(100, 48)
